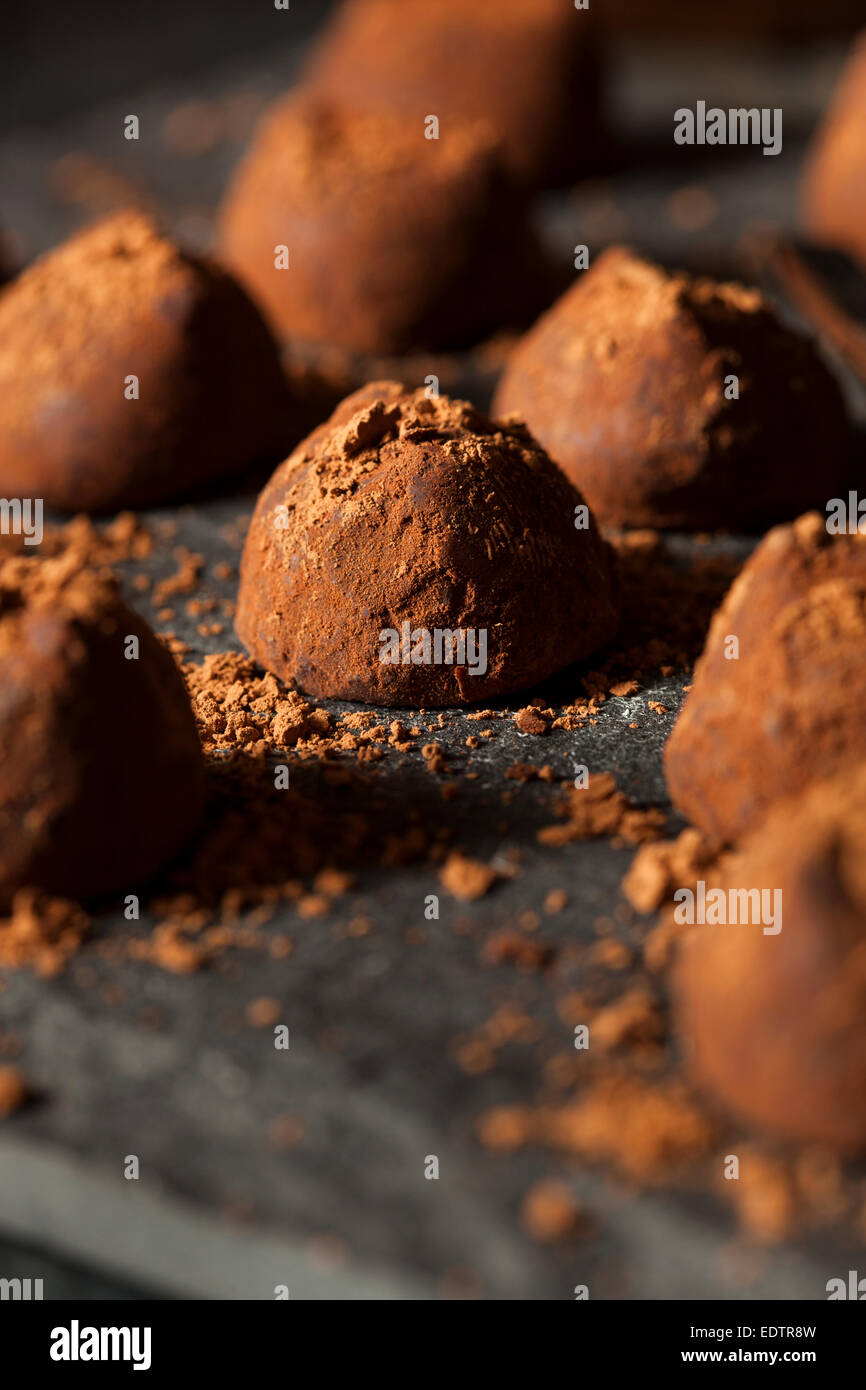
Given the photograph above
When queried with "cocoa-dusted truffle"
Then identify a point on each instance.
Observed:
(131, 373)
(393, 241)
(529, 67)
(834, 185)
(625, 383)
(101, 775)
(778, 694)
(406, 526)
(775, 1014)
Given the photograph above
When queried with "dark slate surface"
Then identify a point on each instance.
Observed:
(347, 1213)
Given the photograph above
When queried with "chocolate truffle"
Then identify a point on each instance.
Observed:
(131, 374)
(778, 694)
(834, 185)
(404, 526)
(529, 67)
(393, 241)
(776, 1019)
(101, 774)
(625, 383)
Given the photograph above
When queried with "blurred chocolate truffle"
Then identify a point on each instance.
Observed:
(101, 774)
(773, 1004)
(834, 185)
(778, 694)
(393, 241)
(529, 67)
(132, 374)
(626, 381)
(406, 527)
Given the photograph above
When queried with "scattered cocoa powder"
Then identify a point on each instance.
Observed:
(263, 1013)
(465, 878)
(208, 907)
(764, 1196)
(549, 1212)
(599, 809)
(531, 721)
(511, 947)
(658, 869)
(41, 932)
(555, 900)
(633, 1018)
(646, 1130)
(236, 707)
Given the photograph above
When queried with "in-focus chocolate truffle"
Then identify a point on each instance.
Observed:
(786, 706)
(394, 241)
(776, 1019)
(116, 311)
(625, 383)
(834, 185)
(101, 773)
(529, 67)
(404, 522)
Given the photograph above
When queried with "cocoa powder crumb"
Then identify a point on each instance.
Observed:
(764, 1197)
(633, 1018)
(466, 879)
(599, 809)
(263, 1013)
(556, 900)
(647, 1131)
(511, 948)
(549, 1212)
(41, 932)
(530, 721)
(185, 578)
(657, 870)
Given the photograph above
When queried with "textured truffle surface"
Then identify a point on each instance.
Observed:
(394, 241)
(623, 381)
(529, 67)
(101, 774)
(790, 708)
(834, 185)
(121, 301)
(777, 1022)
(404, 509)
